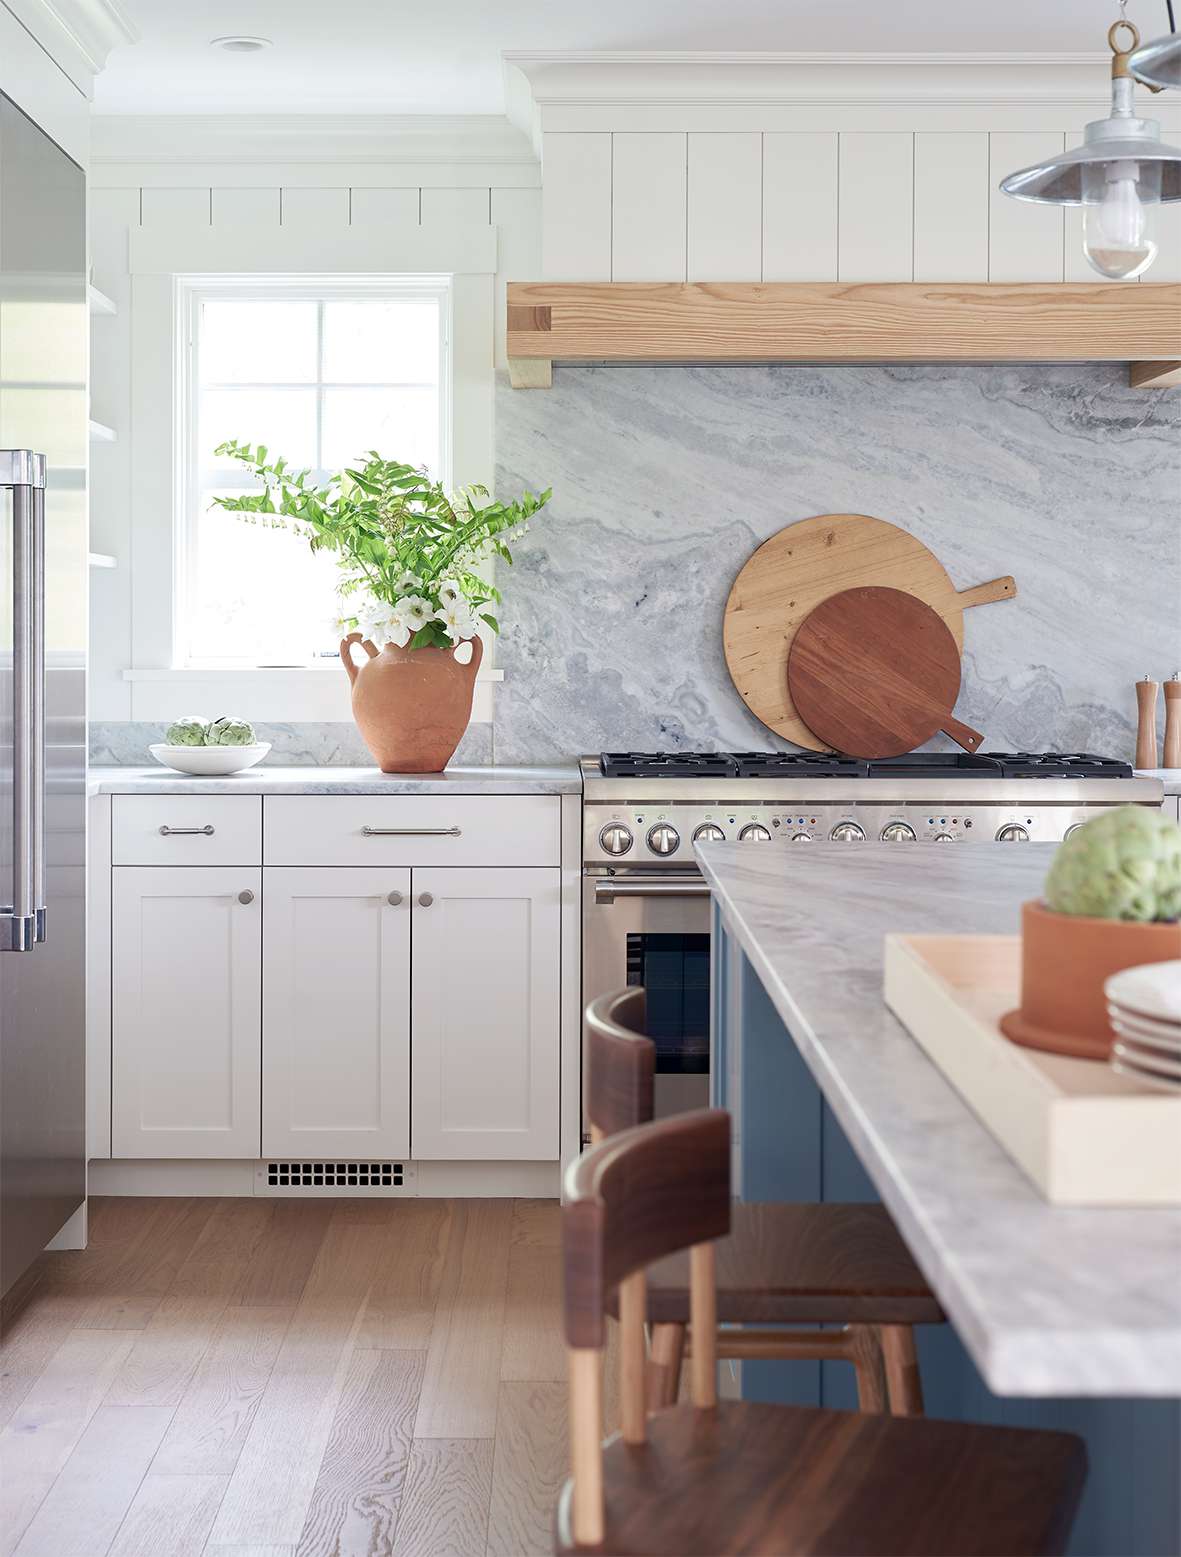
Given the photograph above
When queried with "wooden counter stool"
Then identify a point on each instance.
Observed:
(810, 1265)
(739, 1477)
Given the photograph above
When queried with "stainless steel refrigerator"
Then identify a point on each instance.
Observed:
(44, 332)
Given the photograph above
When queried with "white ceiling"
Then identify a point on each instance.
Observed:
(415, 56)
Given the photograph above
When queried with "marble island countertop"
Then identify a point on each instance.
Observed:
(278, 780)
(1048, 1300)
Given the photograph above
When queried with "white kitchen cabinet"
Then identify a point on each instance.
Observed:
(336, 1012)
(186, 981)
(485, 978)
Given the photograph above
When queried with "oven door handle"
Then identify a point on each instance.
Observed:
(607, 889)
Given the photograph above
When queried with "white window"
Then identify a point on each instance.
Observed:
(320, 374)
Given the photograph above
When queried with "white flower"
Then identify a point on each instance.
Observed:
(397, 633)
(449, 592)
(413, 612)
(408, 583)
(458, 622)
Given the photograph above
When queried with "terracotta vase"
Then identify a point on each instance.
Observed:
(411, 705)
(1065, 960)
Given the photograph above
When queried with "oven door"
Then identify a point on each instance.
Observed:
(652, 929)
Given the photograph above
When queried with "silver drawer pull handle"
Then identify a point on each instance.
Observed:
(186, 832)
(426, 899)
(246, 897)
(410, 832)
(394, 900)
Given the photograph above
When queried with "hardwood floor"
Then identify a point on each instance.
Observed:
(253, 1378)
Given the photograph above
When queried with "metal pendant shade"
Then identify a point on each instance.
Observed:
(1158, 64)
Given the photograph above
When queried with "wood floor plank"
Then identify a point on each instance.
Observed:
(530, 1463)
(220, 1261)
(285, 1254)
(537, 1223)
(255, 1551)
(401, 1309)
(46, 1426)
(354, 1506)
(459, 1389)
(129, 1287)
(171, 1514)
(217, 1409)
(166, 1353)
(445, 1501)
(90, 1498)
(534, 1342)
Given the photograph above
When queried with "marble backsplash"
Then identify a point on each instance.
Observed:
(666, 478)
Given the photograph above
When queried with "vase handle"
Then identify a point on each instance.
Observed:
(346, 653)
(473, 664)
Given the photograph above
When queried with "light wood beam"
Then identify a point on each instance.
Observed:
(1154, 375)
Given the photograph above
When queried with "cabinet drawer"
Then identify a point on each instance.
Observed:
(186, 830)
(412, 830)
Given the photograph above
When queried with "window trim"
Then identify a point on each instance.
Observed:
(190, 293)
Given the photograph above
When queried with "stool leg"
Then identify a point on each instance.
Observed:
(865, 1353)
(665, 1355)
(904, 1385)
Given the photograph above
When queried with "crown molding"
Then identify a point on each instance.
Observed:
(77, 34)
(488, 141)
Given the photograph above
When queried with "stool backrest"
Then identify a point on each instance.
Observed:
(620, 1063)
(632, 1199)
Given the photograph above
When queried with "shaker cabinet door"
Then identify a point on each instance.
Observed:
(336, 1013)
(186, 1011)
(486, 945)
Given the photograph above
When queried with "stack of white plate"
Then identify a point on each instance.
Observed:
(1144, 1008)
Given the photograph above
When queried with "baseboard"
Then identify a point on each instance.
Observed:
(433, 1180)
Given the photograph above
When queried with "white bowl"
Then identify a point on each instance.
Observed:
(210, 761)
(1152, 989)
(1145, 1032)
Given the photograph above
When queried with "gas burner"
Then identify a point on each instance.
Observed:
(831, 765)
(798, 764)
(1050, 764)
(669, 764)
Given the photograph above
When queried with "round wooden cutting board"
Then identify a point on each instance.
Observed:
(802, 565)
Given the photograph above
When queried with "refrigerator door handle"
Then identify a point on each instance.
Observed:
(24, 473)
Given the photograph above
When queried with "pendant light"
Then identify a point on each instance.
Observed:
(1158, 64)
(1119, 175)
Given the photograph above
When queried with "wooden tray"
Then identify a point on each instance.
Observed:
(1085, 1135)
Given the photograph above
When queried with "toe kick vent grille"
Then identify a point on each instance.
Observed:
(291, 1176)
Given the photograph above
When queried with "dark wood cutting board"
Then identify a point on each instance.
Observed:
(875, 672)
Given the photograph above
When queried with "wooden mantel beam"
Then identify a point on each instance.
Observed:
(831, 322)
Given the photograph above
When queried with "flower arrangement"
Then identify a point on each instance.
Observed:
(410, 554)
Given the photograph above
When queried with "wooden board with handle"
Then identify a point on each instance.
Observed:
(876, 672)
(802, 565)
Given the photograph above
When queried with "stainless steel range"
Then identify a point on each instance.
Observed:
(646, 906)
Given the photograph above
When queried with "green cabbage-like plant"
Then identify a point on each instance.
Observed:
(411, 555)
(1122, 864)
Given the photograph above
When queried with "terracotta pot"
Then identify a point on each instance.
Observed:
(1065, 960)
(411, 705)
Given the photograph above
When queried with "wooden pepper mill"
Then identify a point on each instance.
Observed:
(1146, 692)
(1172, 758)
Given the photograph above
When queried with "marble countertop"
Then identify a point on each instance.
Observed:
(265, 780)
(1049, 1300)
(1169, 777)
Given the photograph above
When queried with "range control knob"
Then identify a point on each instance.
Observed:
(1073, 828)
(898, 832)
(943, 838)
(615, 838)
(754, 832)
(1013, 833)
(663, 838)
(847, 832)
(801, 837)
(708, 832)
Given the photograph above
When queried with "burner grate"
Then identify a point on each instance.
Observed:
(830, 765)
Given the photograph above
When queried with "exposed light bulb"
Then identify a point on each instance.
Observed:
(1119, 217)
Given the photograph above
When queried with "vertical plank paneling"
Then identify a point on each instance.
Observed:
(516, 215)
(1167, 264)
(396, 206)
(648, 206)
(315, 210)
(951, 206)
(576, 206)
(455, 209)
(1024, 239)
(246, 208)
(725, 199)
(800, 206)
(175, 208)
(876, 206)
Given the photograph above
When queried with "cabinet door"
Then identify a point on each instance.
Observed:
(185, 1011)
(485, 997)
(336, 1013)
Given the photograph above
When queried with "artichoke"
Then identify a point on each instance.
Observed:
(189, 731)
(1124, 864)
(230, 732)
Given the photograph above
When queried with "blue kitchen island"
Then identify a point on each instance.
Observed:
(1058, 1317)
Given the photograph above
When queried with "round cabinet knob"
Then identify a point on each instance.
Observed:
(754, 832)
(847, 832)
(615, 838)
(246, 897)
(709, 832)
(1013, 833)
(943, 838)
(801, 837)
(425, 899)
(394, 900)
(663, 838)
(898, 832)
